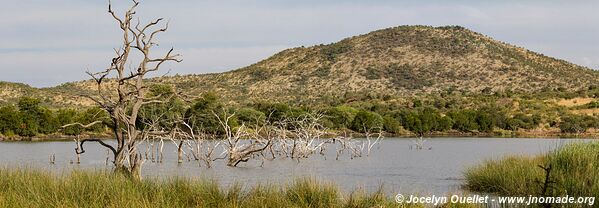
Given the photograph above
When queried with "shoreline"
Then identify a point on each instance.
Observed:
(495, 134)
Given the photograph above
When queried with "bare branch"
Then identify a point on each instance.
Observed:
(81, 125)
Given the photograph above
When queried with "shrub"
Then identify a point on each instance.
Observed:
(279, 111)
(342, 116)
(367, 121)
(250, 116)
(68, 116)
(391, 124)
(94, 114)
(464, 120)
(204, 115)
(424, 120)
(577, 123)
(9, 120)
(47, 121)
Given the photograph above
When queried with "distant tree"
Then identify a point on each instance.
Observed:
(424, 120)
(342, 116)
(48, 123)
(204, 115)
(250, 116)
(484, 121)
(68, 116)
(572, 124)
(411, 120)
(29, 104)
(9, 120)
(366, 121)
(578, 123)
(95, 114)
(498, 117)
(29, 112)
(391, 124)
(430, 119)
(163, 113)
(464, 120)
(279, 111)
(521, 120)
(445, 123)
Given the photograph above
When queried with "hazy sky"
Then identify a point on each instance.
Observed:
(45, 43)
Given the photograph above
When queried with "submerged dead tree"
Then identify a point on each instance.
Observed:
(241, 143)
(121, 88)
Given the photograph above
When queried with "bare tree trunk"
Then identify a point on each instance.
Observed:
(129, 81)
(180, 152)
(52, 159)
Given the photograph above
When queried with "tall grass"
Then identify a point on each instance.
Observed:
(575, 171)
(34, 188)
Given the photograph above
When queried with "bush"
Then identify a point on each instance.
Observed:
(367, 121)
(205, 113)
(484, 121)
(342, 116)
(577, 123)
(250, 116)
(391, 124)
(424, 120)
(464, 120)
(47, 121)
(68, 116)
(95, 114)
(279, 111)
(9, 120)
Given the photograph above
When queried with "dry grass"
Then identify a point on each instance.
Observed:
(575, 102)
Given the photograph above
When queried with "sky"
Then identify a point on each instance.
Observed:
(46, 43)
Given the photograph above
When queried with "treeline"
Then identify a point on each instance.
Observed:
(419, 119)
(29, 118)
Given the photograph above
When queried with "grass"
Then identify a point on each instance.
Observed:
(575, 171)
(35, 188)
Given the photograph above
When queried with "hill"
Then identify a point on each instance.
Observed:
(403, 61)
(400, 61)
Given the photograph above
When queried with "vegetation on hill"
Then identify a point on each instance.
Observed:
(405, 61)
(400, 62)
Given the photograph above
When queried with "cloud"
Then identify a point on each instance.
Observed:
(68, 36)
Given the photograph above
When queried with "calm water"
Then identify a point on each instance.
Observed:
(392, 164)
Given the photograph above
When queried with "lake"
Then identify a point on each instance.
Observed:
(393, 164)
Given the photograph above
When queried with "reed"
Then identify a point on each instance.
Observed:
(36, 188)
(574, 172)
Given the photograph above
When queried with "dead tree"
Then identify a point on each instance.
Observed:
(52, 159)
(201, 149)
(237, 151)
(369, 138)
(305, 135)
(121, 88)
